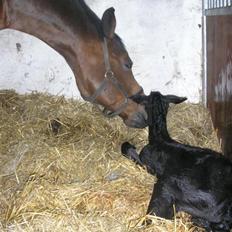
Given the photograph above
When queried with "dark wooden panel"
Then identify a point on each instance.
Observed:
(219, 77)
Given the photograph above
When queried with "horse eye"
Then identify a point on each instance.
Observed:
(128, 65)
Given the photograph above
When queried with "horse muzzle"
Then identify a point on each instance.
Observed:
(137, 119)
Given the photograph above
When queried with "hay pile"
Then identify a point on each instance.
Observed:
(75, 179)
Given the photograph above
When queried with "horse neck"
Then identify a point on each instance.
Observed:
(62, 24)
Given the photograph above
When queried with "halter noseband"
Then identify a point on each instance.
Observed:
(109, 77)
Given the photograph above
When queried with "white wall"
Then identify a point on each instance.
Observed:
(163, 39)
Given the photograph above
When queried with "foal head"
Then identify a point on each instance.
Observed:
(157, 105)
(111, 83)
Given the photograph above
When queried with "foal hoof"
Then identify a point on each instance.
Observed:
(147, 222)
(125, 147)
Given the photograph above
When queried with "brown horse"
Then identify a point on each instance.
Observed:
(96, 55)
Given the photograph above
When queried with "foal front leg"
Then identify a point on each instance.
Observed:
(161, 203)
(143, 159)
(129, 151)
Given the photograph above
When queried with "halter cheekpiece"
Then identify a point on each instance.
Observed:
(108, 77)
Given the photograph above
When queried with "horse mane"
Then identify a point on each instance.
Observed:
(96, 21)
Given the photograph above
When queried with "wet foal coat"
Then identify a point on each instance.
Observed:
(196, 180)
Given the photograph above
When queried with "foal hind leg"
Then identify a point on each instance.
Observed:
(200, 222)
(220, 227)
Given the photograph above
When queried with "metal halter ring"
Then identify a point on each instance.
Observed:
(109, 74)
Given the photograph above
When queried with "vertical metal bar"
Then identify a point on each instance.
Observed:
(204, 58)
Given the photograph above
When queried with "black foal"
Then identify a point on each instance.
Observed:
(196, 180)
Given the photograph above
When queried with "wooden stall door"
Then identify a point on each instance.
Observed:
(219, 75)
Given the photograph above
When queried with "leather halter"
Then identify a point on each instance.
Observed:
(109, 77)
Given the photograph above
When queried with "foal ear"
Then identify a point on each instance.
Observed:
(140, 99)
(175, 99)
(109, 23)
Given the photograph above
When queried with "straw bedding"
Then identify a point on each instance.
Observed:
(73, 177)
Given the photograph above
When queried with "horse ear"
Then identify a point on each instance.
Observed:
(174, 99)
(109, 23)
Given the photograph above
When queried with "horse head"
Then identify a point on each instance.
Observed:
(95, 53)
(114, 85)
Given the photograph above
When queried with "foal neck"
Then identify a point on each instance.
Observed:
(158, 131)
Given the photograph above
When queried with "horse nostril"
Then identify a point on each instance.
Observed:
(138, 120)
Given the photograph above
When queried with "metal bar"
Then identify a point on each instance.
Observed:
(204, 58)
(217, 12)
